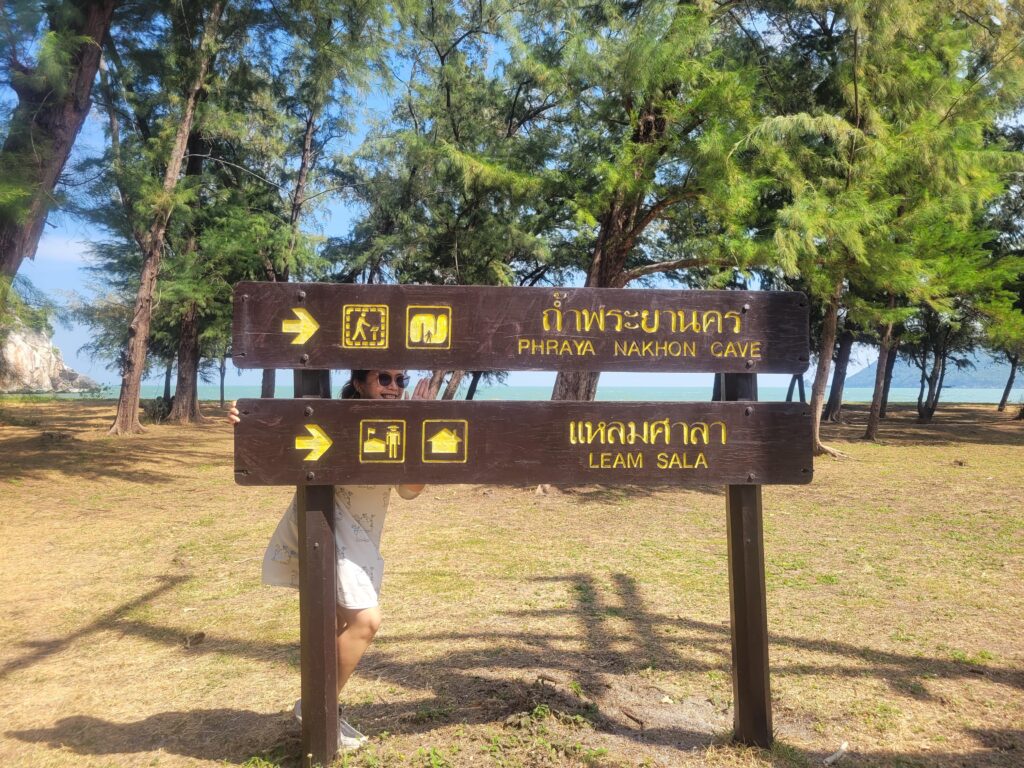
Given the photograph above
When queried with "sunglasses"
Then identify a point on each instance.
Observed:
(385, 379)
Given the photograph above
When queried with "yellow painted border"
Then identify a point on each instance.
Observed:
(408, 319)
(465, 441)
(405, 431)
(346, 343)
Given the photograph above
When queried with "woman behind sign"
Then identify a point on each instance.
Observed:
(359, 512)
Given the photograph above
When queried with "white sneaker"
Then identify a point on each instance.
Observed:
(349, 739)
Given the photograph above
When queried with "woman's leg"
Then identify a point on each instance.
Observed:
(356, 628)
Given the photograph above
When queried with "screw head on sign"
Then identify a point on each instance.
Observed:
(311, 475)
(746, 307)
(302, 295)
(308, 410)
(750, 363)
(747, 411)
(750, 477)
(245, 297)
(304, 358)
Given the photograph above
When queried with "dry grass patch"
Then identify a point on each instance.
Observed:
(584, 628)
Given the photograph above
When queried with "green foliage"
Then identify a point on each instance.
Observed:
(829, 146)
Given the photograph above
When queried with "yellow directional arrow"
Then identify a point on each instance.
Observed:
(317, 445)
(305, 326)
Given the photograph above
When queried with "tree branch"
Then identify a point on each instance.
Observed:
(661, 266)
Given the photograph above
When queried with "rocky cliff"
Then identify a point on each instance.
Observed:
(30, 363)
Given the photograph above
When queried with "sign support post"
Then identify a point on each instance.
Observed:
(752, 704)
(318, 590)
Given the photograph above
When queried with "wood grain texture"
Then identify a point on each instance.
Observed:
(318, 596)
(522, 442)
(493, 328)
(752, 708)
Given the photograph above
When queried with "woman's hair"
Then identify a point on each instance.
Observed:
(349, 391)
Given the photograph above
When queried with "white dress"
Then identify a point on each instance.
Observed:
(359, 512)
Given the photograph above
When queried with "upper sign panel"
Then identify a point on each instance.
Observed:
(335, 326)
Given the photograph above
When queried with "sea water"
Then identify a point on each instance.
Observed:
(639, 393)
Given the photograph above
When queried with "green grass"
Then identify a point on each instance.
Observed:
(893, 589)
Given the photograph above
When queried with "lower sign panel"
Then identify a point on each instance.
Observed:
(338, 442)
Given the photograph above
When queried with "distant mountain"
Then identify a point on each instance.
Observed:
(30, 363)
(986, 373)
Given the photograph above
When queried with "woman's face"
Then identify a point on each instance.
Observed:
(382, 385)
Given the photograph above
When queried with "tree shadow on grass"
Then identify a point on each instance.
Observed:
(952, 424)
(592, 675)
(632, 493)
(130, 459)
(72, 441)
(42, 649)
(229, 735)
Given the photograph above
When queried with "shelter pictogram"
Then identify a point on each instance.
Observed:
(445, 441)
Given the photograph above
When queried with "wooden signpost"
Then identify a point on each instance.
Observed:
(288, 442)
(421, 327)
(313, 443)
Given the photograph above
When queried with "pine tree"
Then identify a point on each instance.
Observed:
(50, 61)
(887, 160)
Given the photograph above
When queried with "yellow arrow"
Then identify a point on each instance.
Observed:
(317, 445)
(305, 326)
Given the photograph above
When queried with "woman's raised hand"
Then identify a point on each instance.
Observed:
(233, 416)
(421, 390)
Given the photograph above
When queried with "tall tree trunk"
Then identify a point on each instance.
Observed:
(186, 402)
(453, 385)
(167, 381)
(223, 367)
(716, 389)
(924, 381)
(1014, 360)
(828, 341)
(127, 419)
(473, 384)
(933, 396)
(835, 395)
(436, 379)
(268, 382)
(622, 224)
(44, 126)
(926, 410)
(890, 366)
(302, 179)
(875, 414)
(186, 394)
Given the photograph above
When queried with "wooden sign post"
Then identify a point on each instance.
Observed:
(312, 442)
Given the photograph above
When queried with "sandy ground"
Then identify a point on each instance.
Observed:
(588, 627)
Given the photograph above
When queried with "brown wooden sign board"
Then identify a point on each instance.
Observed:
(297, 442)
(335, 326)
